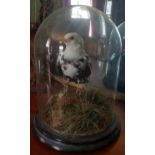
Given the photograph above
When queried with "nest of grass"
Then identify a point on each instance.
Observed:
(77, 112)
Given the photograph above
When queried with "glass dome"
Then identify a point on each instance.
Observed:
(75, 47)
(121, 77)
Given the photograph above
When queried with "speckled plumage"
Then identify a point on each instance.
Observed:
(73, 61)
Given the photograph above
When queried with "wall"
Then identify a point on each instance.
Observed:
(34, 11)
(35, 8)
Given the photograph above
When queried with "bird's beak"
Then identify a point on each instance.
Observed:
(63, 44)
(66, 40)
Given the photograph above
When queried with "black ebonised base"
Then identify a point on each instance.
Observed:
(68, 144)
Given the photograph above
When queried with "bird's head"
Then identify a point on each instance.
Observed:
(73, 38)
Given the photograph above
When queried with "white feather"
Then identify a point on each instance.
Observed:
(73, 52)
(69, 70)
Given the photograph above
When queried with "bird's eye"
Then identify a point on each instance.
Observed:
(71, 38)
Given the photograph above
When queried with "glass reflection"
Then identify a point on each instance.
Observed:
(78, 12)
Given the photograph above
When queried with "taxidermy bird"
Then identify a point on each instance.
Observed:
(73, 60)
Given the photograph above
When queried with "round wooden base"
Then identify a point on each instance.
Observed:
(80, 144)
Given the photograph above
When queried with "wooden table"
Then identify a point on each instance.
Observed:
(116, 148)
